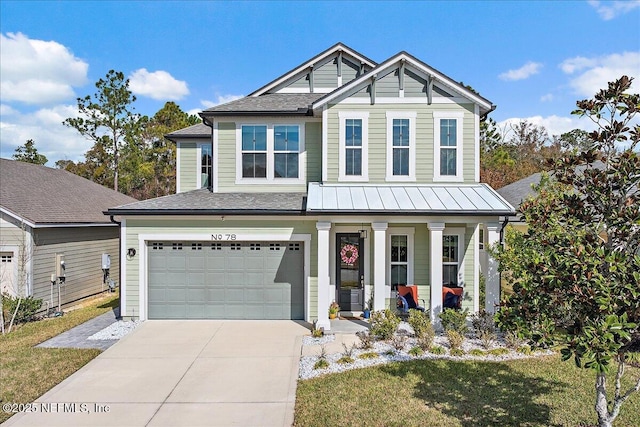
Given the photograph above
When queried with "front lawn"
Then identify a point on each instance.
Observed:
(528, 392)
(27, 372)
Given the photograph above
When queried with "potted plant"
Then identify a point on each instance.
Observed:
(367, 309)
(334, 308)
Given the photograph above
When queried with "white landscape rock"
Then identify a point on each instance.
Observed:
(115, 331)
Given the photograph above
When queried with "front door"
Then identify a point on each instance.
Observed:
(350, 271)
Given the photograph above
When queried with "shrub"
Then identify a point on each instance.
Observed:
(525, 349)
(498, 351)
(345, 360)
(398, 342)
(457, 352)
(486, 338)
(477, 352)
(366, 339)
(348, 350)
(317, 333)
(454, 320)
(436, 349)
(29, 306)
(384, 323)
(368, 355)
(483, 321)
(425, 341)
(419, 321)
(416, 351)
(455, 339)
(512, 339)
(321, 364)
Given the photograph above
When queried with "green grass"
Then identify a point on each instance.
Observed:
(27, 372)
(530, 392)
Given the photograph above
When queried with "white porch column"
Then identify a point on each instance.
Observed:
(324, 299)
(435, 240)
(380, 290)
(493, 276)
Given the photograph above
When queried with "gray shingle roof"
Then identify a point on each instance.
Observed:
(278, 103)
(43, 195)
(516, 192)
(203, 201)
(197, 130)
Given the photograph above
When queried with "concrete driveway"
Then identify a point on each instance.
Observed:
(182, 373)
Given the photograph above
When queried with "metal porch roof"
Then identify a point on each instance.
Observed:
(462, 199)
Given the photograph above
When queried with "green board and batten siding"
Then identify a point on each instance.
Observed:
(188, 166)
(424, 139)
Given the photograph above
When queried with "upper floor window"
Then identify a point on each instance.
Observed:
(353, 156)
(447, 145)
(206, 162)
(254, 151)
(286, 151)
(401, 141)
(270, 153)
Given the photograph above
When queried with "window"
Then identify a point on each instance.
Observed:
(286, 150)
(353, 156)
(481, 238)
(447, 145)
(254, 151)
(401, 139)
(353, 147)
(206, 161)
(270, 154)
(450, 259)
(399, 260)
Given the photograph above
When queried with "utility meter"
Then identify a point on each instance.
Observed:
(106, 261)
(60, 266)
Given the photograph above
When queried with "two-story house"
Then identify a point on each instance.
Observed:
(338, 179)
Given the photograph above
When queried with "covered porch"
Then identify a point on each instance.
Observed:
(373, 238)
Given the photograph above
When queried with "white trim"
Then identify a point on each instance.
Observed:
(11, 282)
(275, 235)
(333, 255)
(476, 268)
(325, 143)
(476, 140)
(381, 288)
(123, 267)
(306, 90)
(178, 150)
(215, 166)
(199, 146)
(270, 179)
(406, 100)
(460, 233)
(411, 116)
(410, 233)
(459, 117)
(364, 116)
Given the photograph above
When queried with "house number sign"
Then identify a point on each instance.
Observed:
(224, 236)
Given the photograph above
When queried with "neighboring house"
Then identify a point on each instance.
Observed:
(340, 178)
(49, 215)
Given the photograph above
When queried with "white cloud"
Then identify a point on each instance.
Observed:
(38, 72)
(45, 127)
(158, 85)
(547, 98)
(612, 9)
(593, 74)
(524, 72)
(555, 125)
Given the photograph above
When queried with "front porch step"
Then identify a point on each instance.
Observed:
(358, 314)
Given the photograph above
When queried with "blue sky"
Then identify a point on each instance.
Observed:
(531, 59)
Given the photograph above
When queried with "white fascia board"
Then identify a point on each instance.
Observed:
(302, 68)
(17, 217)
(421, 69)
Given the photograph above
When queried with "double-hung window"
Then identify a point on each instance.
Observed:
(400, 255)
(254, 151)
(451, 258)
(286, 151)
(401, 141)
(206, 161)
(271, 153)
(447, 145)
(353, 156)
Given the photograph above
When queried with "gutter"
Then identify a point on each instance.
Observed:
(120, 260)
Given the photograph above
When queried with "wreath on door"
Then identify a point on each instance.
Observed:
(349, 254)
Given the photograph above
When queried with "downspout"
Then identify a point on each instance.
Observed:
(120, 261)
(209, 123)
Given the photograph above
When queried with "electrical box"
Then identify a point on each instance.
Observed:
(60, 266)
(106, 261)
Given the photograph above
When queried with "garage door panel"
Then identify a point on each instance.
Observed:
(226, 280)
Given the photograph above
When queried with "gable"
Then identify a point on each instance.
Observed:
(403, 76)
(323, 73)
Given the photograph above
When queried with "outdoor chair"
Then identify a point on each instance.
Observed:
(452, 297)
(407, 299)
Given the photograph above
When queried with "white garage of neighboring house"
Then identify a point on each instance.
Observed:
(48, 215)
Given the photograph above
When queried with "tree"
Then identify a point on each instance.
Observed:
(576, 271)
(108, 118)
(28, 153)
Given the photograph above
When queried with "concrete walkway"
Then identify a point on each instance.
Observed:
(77, 337)
(182, 373)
